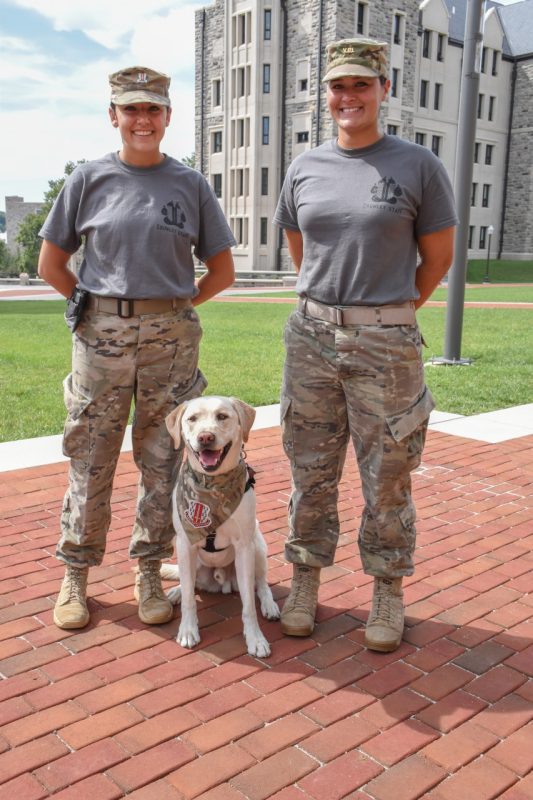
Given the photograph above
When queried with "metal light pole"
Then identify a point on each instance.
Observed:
(490, 231)
(464, 168)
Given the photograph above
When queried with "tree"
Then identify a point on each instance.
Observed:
(189, 161)
(2, 221)
(7, 260)
(28, 232)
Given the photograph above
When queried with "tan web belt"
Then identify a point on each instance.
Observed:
(403, 314)
(134, 308)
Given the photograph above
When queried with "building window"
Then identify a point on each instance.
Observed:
(436, 142)
(361, 18)
(217, 142)
(392, 130)
(266, 78)
(263, 234)
(494, 62)
(474, 193)
(426, 44)
(489, 149)
(217, 93)
(480, 100)
(485, 198)
(395, 82)
(471, 230)
(490, 113)
(302, 137)
(240, 133)
(482, 237)
(267, 24)
(264, 180)
(484, 59)
(241, 77)
(424, 86)
(397, 29)
(420, 138)
(217, 184)
(441, 39)
(437, 96)
(266, 130)
(240, 230)
(242, 28)
(240, 182)
(302, 85)
(476, 152)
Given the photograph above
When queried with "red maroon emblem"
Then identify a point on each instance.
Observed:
(198, 514)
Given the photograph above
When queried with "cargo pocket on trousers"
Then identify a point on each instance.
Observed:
(179, 395)
(76, 432)
(410, 426)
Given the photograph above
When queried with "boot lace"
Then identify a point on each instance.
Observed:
(305, 589)
(150, 583)
(76, 584)
(386, 607)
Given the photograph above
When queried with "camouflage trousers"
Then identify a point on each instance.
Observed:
(151, 360)
(364, 382)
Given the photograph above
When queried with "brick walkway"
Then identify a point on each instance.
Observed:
(122, 710)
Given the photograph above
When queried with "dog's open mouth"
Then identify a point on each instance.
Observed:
(210, 460)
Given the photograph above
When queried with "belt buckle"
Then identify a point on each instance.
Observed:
(339, 316)
(129, 306)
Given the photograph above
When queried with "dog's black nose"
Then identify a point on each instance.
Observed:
(206, 438)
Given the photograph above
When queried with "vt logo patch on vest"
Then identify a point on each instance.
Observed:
(173, 215)
(387, 190)
(198, 514)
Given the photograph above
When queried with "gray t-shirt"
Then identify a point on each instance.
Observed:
(360, 213)
(141, 226)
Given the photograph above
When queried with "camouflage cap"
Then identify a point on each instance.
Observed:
(139, 85)
(360, 57)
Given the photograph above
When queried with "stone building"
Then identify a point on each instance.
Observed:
(259, 103)
(16, 212)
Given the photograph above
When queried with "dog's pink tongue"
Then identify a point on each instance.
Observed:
(209, 458)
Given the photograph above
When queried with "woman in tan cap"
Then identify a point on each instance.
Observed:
(369, 220)
(136, 335)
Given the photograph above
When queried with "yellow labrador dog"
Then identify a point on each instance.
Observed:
(218, 541)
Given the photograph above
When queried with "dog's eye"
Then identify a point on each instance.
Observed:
(192, 418)
(221, 416)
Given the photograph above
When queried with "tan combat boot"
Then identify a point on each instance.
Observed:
(154, 606)
(71, 610)
(384, 628)
(298, 614)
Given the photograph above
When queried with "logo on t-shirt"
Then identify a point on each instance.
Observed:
(387, 190)
(173, 215)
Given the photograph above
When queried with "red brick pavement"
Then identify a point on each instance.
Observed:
(120, 710)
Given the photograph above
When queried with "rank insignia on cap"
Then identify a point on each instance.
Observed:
(198, 514)
(142, 77)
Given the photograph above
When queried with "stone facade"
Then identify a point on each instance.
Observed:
(16, 212)
(425, 55)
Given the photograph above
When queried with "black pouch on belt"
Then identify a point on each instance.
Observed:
(75, 307)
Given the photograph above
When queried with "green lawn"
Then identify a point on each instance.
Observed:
(242, 355)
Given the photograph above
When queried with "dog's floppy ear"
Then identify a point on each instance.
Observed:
(246, 416)
(173, 423)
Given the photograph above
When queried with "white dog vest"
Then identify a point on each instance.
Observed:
(206, 501)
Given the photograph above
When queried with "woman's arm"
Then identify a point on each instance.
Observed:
(53, 268)
(295, 243)
(220, 274)
(436, 253)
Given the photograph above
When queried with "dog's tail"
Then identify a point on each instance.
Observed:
(170, 572)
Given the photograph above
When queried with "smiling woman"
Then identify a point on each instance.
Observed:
(136, 335)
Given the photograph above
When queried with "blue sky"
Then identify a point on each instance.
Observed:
(55, 56)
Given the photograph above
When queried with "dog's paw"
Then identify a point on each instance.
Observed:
(269, 608)
(188, 637)
(258, 646)
(174, 595)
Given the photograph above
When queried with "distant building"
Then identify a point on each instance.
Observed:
(16, 212)
(259, 103)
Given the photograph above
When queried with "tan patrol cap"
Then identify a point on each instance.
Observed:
(366, 58)
(139, 85)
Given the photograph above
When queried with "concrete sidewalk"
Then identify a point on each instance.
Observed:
(121, 710)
